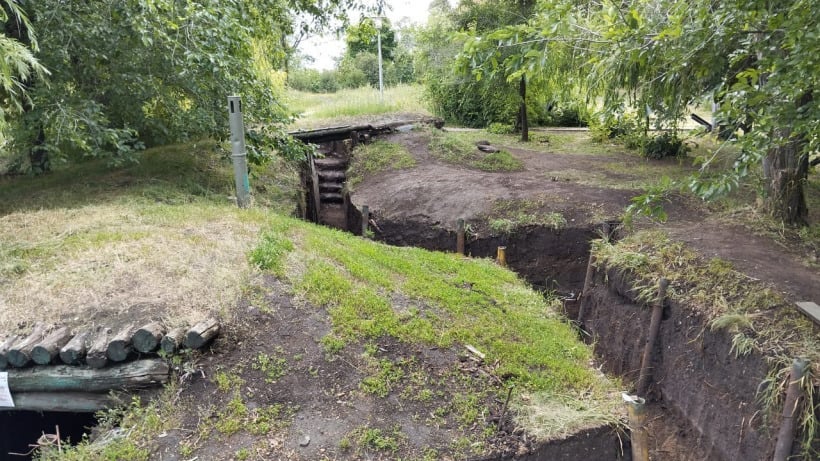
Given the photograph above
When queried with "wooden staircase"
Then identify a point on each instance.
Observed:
(330, 172)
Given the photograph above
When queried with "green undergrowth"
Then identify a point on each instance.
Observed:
(182, 174)
(453, 148)
(371, 290)
(507, 216)
(378, 156)
(350, 105)
(762, 318)
(758, 318)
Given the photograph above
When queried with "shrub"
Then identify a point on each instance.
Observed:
(662, 146)
(569, 115)
(500, 128)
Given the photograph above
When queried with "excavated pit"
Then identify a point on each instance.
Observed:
(702, 398)
(22, 429)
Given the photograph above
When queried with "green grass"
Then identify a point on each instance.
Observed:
(343, 105)
(378, 156)
(507, 216)
(454, 149)
(454, 301)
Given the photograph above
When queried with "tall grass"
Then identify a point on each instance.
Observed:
(315, 108)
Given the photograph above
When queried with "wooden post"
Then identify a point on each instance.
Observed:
(654, 326)
(501, 256)
(147, 338)
(365, 219)
(636, 411)
(201, 333)
(785, 436)
(73, 352)
(49, 348)
(460, 236)
(96, 356)
(171, 342)
(587, 285)
(4, 350)
(120, 345)
(19, 355)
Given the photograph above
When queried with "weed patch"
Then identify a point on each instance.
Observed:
(456, 150)
(378, 156)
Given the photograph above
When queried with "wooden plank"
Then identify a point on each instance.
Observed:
(64, 378)
(811, 310)
(74, 402)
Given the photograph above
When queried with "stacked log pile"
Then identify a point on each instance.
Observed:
(100, 347)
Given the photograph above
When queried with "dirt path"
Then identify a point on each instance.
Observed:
(439, 194)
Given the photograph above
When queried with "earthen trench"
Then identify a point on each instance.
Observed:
(702, 397)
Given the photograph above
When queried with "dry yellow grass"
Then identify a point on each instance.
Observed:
(115, 263)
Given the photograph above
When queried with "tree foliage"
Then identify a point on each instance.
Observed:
(755, 58)
(126, 74)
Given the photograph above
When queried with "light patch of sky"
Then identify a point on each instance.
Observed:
(325, 49)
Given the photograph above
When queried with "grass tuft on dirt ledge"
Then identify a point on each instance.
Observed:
(371, 290)
(454, 149)
(378, 156)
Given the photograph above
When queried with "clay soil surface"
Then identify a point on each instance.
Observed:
(588, 184)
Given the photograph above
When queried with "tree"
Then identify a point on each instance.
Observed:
(135, 73)
(363, 38)
(756, 57)
(18, 66)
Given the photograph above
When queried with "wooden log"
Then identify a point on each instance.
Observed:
(63, 378)
(147, 338)
(73, 352)
(5, 345)
(74, 402)
(96, 356)
(19, 354)
(172, 341)
(120, 345)
(201, 333)
(47, 350)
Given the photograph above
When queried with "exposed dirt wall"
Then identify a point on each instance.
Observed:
(546, 258)
(695, 372)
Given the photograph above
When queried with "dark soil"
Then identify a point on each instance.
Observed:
(707, 393)
(704, 397)
(327, 405)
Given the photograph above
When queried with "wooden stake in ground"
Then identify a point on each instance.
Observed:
(49, 348)
(172, 341)
(201, 333)
(19, 355)
(73, 352)
(147, 338)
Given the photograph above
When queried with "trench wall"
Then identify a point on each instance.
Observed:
(694, 370)
(547, 258)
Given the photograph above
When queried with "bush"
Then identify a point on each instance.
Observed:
(662, 146)
(569, 115)
(313, 81)
(615, 126)
(500, 128)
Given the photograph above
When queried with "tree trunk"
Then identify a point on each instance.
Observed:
(522, 110)
(785, 171)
